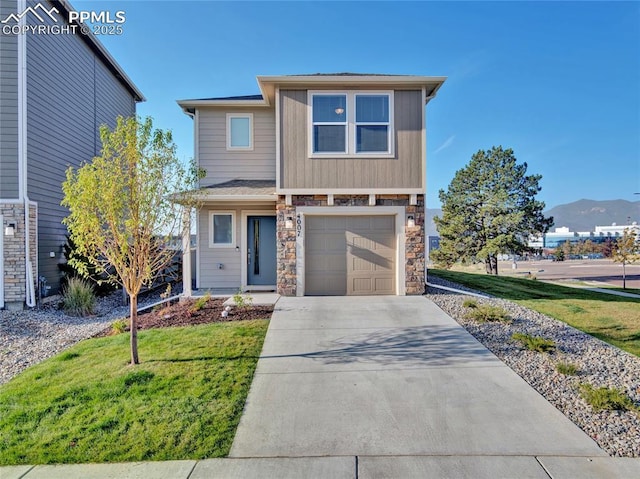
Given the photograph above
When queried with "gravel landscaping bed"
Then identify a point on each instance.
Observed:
(30, 336)
(599, 364)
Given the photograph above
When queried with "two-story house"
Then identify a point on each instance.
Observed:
(58, 84)
(314, 187)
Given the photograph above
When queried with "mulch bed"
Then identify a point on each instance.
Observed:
(185, 313)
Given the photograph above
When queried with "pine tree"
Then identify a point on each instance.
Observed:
(488, 209)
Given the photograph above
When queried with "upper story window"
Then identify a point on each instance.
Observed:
(351, 124)
(239, 131)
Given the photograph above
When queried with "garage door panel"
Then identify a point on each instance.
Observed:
(326, 263)
(383, 223)
(326, 284)
(359, 257)
(350, 255)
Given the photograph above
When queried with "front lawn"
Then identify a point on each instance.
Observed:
(88, 404)
(614, 319)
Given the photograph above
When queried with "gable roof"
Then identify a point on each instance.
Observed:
(268, 85)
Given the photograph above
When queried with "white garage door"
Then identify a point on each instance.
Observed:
(350, 255)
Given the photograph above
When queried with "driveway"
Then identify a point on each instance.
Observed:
(392, 376)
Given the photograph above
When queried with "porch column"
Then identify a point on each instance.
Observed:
(186, 252)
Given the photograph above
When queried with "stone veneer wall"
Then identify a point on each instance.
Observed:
(13, 246)
(286, 247)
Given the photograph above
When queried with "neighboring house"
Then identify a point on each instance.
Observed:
(56, 89)
(314, 187)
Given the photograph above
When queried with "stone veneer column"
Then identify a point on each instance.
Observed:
(415, 249)
(286, 249)
(14, 252)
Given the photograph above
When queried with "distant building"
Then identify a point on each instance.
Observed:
(562, 235)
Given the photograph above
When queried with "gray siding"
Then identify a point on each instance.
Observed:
(70, 93)
(208, 258)
(406, 170)
(222, 165)
(8, 108)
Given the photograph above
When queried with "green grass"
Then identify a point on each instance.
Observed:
(534, 343)
(88, 404)
(613, 319)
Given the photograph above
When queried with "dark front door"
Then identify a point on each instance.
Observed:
(261, 250)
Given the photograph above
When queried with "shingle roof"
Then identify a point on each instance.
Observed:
(347, 74)
(241, 188)
(240, 97)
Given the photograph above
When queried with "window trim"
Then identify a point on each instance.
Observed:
(351, 137)
(212, 214)
(231, 116)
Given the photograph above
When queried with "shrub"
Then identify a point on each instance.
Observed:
(486, 312)
(568, 369)
(201, 302)
(470, 303)
(101, 286)
(119, 326)
(78, 297)
(242, 301)
(606, 398)
(534, 343)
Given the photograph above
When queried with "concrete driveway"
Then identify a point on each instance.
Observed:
(391, 376)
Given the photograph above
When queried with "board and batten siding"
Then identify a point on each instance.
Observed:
(70, 93)
(8, 108)
(208, 258)
(405, 170)
(222, 165)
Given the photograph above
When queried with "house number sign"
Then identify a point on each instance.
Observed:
(299, 225)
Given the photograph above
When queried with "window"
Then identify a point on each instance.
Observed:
(221, 231)
(239, 131)
(372, 123)
(329, 123)
(350, 124)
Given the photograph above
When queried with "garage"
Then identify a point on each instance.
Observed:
(350, 255)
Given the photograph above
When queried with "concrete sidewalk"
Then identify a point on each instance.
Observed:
(381, 387)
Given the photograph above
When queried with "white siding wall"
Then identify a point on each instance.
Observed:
(208, 258)
(222, 165)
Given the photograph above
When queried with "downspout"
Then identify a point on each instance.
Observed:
(30, 295)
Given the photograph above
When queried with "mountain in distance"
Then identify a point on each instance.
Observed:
(585, 215)
(581, 215)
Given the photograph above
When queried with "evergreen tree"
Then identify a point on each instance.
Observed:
(488, 209)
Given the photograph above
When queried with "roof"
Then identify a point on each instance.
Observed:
(98, 48)
(226, 98)
(239, 190)
(268, 85)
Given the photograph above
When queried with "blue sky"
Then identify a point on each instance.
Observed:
(557, 82)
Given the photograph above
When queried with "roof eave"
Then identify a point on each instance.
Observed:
(269, 83)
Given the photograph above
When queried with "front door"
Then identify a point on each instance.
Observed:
(261, 250)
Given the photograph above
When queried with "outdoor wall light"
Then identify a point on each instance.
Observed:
(411, 221)
(10, 229)
(288, 224)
